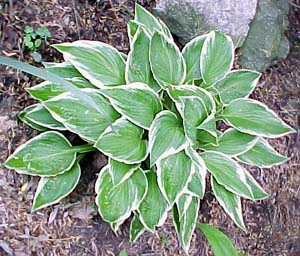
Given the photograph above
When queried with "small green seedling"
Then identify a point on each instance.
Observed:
(33, 40)
(155, 114)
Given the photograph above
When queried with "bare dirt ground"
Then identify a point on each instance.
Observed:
(73, 227)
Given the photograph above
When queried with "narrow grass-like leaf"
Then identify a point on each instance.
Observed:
(216, 57)
(52, 189)
(191, 54)
(64, 69)
(81, 117)
(98, 62)
(55, 79)
(173, 174)
(154, 207)
(230, 202)
(232, 143)
(167, 63)
(220, 243)
(46, 90)
(123, 142)
(237, 84)
(136, 101)
(47, 154)
(262, 155)
(166, 136)
(251, 116)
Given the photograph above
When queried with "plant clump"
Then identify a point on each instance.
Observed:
(154, 114)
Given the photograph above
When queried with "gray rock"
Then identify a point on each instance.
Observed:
(266, 41)
(190, 18)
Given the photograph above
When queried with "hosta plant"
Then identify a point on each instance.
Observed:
(166, 119)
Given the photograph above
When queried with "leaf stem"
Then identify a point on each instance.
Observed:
(84, 148)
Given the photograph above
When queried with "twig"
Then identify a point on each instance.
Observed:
(76, 18)
(11, 9)
(293, 4)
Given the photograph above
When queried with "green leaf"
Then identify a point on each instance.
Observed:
(166, 136)
(230, 202)
(46, 75)
(227, 173)
(257, 191)
(174, 173)
(138, 65)
(64, 69)
(132, 27)
(182, 205)
(187, 223)
(115, 203)
(176, 92)
(28, 29)
(194, 113)
(165, 30)
(80, 116)
(207, 130)
(251, 116)
(196, 186)
(47, 90)
(80, 82)
(136, 228)
(23, 117)
(191, 54)
(123, 253)
(220, 243)
(52, 189)
(167, 63)
(123, 142)
(40, 116)
(120, 172)
(147, 19)
(47, 154)
(237, 84)
(262, 155)
(216, 57)
(154, 207)
(37, 43)
(98, 62)
(232, 143)
(136, 101)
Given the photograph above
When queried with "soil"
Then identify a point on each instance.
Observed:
(73, 227)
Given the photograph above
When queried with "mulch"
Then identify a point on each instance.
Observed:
(73, 227)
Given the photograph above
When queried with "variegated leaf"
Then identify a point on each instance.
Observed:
(136, 101)
(166, 136)
(123, 142)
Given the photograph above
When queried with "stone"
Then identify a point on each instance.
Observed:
(190, 18)
(261, 44)
(266, 41)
